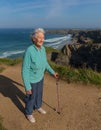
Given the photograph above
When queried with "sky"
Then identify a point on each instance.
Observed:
(50, 13)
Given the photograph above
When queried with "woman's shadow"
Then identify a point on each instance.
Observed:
(9, 89)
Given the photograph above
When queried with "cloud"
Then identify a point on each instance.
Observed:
(54, 8)
(79, 2)
(30, 6)
(21, 7)
(57, 7)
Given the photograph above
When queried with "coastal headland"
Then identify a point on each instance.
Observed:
(80, 104)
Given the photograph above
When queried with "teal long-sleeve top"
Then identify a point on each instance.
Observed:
(34, 65)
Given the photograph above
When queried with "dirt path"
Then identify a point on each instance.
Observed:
(80, 104)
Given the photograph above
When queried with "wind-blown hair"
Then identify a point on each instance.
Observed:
(36, 31)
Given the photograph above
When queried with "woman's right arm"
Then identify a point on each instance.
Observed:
(26, 70)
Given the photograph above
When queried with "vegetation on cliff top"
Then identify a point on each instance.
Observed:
(1, 126)
(70, 74)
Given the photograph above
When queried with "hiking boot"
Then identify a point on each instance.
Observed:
(41, 111)
(31, 118)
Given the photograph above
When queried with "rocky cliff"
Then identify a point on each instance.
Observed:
(79, 55)
(85, 50)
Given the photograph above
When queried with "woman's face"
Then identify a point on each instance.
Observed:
(39, 40)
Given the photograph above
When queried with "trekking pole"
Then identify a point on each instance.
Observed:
(58, 96)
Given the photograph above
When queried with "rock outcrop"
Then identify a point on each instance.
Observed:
(79, 55)
(85, 50)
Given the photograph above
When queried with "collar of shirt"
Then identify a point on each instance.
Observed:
(36, 47)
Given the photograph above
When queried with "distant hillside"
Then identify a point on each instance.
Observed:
(80, 36)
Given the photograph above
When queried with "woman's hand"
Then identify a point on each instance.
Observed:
(56, 75)
(28, 91)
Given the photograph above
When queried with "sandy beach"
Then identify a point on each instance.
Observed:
(80, 105)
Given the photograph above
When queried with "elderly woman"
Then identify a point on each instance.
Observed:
(33, 68)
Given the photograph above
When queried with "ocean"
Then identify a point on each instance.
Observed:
(13, 42)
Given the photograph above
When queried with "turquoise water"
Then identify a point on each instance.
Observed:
(13, 42)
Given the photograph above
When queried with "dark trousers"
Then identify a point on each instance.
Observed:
(34, 100)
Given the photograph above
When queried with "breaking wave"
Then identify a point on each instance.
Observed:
(10, 53)
(58, 43)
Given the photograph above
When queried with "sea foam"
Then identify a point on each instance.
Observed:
(10, 53)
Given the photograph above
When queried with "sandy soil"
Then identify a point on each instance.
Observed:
(80, 105)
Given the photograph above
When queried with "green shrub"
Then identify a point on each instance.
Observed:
(11, 62)
(1, 126)
(50, 50)
(71, 74)
(1, 69)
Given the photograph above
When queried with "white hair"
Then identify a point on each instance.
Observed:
(36, 31)
(39, 30)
